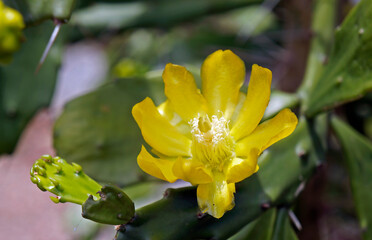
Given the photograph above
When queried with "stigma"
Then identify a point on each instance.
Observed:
(212, 143)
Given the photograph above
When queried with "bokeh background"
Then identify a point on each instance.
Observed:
(109, 56)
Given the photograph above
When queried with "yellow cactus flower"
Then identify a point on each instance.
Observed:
(11, 25)
(210, 138)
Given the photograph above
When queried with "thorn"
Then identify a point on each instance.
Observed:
(299, 189)
(166, 193)
(339, 79)
(320, 167)
(265, 206)
(102, 195)
(295, 220)
(200, 215)
(52, 39)
(120, 228)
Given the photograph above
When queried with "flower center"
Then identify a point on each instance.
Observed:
(212, 144)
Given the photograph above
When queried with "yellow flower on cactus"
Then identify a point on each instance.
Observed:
(210, 138)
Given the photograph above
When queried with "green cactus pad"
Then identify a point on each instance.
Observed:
(18, 105)
(357, 156)
(65, 180)
(348, 74)
(114, 207)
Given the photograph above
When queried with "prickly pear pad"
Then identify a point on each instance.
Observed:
(65, 180)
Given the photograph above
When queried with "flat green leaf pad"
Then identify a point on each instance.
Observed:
(114, 207)
(65, 180)
(101, 125)
(358, 156)
(348, 74)
(22, 91)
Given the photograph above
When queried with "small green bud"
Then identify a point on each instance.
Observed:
(11, 25)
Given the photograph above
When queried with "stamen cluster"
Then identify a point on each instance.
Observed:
(212, 143)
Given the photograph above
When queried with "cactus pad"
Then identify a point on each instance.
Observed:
(114, 207)
(65, 180)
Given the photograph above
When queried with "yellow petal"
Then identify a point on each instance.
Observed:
(258, 97)
(181, 91)
(268, 132)
(216, 198)
(158, 132)
(222, 76)
(240, 168)
(166, 110)
(238, 108)
(191, 171)
(157, 167)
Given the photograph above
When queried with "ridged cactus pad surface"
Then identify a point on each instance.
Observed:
(67, 181)
(357, 151)
(114, 207)
(348, 74)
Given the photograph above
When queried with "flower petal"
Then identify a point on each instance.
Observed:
(181, 91)
(166, 110)
(222, 75)
(158, 132)
(191, 171)
(240, 168)
(268, 132)
(238, 108)
(258, 97)
(216, 198)
(157, 167)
